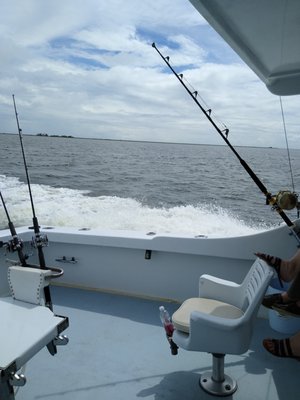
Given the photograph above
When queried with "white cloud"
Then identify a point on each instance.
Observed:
(88, 69)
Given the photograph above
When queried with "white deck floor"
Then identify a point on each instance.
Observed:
(118, 350)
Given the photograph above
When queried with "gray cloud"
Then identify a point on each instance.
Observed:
(88, 69)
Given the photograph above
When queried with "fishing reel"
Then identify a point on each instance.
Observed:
(285, 200)
(12, 245)
(39, 241)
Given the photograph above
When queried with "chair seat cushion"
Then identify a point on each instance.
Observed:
(181, 317)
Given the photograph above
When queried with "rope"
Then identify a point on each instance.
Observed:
(287, 144)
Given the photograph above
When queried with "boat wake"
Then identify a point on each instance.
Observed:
(75, 208)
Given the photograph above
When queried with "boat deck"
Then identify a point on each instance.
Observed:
(118, 350)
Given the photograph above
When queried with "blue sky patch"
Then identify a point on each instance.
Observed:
(78, 53)
(87, 63)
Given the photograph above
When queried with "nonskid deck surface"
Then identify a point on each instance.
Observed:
(118, 350)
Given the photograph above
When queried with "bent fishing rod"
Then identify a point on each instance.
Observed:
(284, 197)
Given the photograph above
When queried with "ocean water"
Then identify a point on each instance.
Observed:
(142, 186)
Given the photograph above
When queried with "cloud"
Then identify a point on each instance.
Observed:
(88, 69)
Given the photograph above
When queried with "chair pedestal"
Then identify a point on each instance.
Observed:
(216, 382)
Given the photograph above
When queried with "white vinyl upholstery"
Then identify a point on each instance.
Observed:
(27, 284)
(181, 318)
(221, 320)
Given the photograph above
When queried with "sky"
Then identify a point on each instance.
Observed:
(87, 69)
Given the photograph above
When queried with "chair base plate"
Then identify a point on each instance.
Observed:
(223, 388)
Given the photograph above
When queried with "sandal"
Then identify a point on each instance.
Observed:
(287, 309)
(271, 300)
(272, 261)
(280, 348)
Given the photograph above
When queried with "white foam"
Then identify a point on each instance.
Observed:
(68, 207)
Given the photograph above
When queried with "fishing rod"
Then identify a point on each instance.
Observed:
(15, 244)
(284, 199)
(40, 241)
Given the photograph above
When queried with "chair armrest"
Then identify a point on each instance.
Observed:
(212, 287)
(214, 334)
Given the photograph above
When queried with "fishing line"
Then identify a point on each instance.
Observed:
(287, 143)
(288, 150)
(24, 158)
(287, 198)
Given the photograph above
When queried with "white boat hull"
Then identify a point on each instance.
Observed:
(115, 260)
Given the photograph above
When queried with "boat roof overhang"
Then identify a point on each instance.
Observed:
(264, 33)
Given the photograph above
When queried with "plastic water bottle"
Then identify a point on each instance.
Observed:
(166, 321)
(169, 328)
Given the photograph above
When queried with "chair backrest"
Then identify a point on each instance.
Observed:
(255, 285)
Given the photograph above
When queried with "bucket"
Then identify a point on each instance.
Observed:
(282, 323)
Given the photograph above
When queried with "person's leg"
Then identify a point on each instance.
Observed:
(291, 267)
(290, 304)
(286, 269)
(293, 292)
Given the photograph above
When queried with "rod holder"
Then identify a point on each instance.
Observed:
(148, 254)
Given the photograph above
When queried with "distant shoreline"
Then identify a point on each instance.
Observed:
(47, 135)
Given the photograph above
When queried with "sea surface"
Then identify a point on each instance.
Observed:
(142, 186)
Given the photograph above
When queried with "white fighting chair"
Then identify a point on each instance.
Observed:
(220, 321)
(26, 324)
